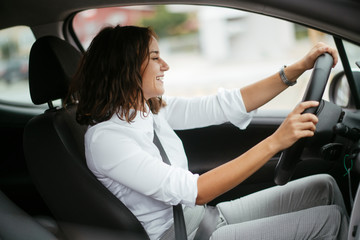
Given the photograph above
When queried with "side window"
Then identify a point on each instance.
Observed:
(341, 91)
(212, 47)
(15, 45)
(353, 54)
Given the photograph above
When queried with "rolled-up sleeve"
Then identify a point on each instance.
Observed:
(121, 159)
(233, 107)
(225, 106)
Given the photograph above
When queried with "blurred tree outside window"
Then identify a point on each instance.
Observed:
(166, 23)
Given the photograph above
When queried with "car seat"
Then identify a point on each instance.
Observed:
(16, 224)
(54, 147)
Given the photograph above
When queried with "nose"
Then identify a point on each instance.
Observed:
(164, 66)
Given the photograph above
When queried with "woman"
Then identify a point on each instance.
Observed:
(119, 86)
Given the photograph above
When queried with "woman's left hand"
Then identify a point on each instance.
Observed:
(309, 60)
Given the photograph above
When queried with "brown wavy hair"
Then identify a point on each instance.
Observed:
(109, 78)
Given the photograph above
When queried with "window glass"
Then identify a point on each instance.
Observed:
(212, 47)
(353, 53)
(15, 44)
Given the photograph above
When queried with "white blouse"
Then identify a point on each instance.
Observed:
(124, 158)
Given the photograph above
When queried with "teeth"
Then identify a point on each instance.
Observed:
(159, 78)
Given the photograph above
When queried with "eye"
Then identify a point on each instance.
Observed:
(155, 58)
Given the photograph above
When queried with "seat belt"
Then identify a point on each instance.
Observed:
(179, 222)
(208, 224)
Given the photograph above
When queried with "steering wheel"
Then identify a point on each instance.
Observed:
(315, 89)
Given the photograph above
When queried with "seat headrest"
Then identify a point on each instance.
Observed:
(52, 64)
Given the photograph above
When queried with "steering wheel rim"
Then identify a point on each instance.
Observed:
(314, 91)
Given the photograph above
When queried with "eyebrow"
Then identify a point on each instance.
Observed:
(154, 51)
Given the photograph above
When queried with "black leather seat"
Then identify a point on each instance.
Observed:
(54, 148)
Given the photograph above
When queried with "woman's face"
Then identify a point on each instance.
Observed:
(153, 72)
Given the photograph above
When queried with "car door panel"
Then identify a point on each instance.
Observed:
(15, 181)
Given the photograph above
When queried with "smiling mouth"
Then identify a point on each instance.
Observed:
(159, 78)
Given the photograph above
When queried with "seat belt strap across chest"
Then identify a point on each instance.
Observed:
(179, 222)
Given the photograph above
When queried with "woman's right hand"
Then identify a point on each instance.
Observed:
(226, 176)
(295, 126)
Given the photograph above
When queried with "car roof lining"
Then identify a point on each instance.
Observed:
(333, 16)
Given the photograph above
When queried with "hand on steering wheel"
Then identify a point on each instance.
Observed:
(297, 125)
(315, 89)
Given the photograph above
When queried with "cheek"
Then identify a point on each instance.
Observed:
(150, 77)
(147, 80)
(148, 84)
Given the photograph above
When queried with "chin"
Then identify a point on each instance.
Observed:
(161, 92)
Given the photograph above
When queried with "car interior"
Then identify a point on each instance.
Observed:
(46, 189)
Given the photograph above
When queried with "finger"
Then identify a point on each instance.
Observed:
(334, 54)
(306, 133)
(309, 117)
(307, 126)
(321, 48)
(300, 108)
(324, 48)
(303, 126)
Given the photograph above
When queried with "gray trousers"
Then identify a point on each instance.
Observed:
(308, 208)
